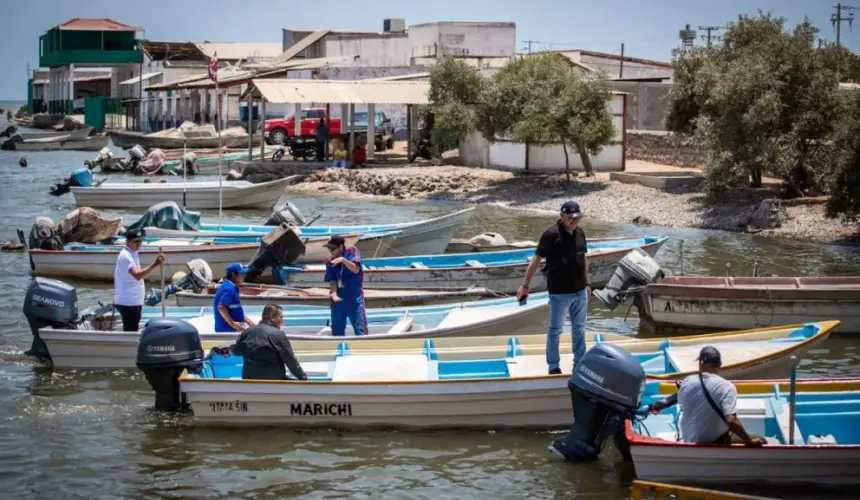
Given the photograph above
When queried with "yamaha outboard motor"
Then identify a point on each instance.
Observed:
(605, 390)
(282, 247)
(49, 303)
(199, 276)
(286, 213)
(167, 347)
(635, 271)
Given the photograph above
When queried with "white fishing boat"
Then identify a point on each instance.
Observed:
(197, 195)
(501, 272)
(97, 262)
(93, 348)
(63, 143)
(78, 134)
(508, 388)
(824, 447)
(424, 237)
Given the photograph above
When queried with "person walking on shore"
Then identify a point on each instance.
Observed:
(128, 277)
(564, 247)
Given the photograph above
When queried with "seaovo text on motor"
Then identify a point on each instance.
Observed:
(48, 301)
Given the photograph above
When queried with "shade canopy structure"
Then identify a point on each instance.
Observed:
(295, 91)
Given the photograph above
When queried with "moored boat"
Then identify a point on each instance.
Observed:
(62, 143)
(431, 389)
(127, 139)
(825, 450)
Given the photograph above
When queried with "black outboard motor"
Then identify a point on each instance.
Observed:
(167, 347)
(605, 390)
(49, 303)
(286, 213)
(635, 271)
(282, 247)
(199, 276)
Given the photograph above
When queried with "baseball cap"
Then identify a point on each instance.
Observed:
(571, 208)
(237, 268)
(710, 356)
(336, 240)
(133, 235)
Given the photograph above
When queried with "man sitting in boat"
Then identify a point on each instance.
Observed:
(128, 277)
(267, 350)
(344, 276)
(229, 315)
(709, 406)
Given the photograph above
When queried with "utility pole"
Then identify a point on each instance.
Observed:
(836, 20)
(529, 45)
(708, 37)
(687, 36)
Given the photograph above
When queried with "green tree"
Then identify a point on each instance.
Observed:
(455, 92)
(843, 61)
(763, 102)
(844, 177)
(543, 99)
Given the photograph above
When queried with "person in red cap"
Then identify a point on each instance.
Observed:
(344, 274)
(564, 247)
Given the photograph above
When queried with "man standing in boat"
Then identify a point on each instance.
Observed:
(128, 277)
(563, 246)
(228, 312)
(344, 275)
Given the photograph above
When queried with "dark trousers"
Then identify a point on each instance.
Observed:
(130, 317)
(321, 150)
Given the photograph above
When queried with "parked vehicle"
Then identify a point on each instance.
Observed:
(300, 149)
(383, 131)
(279, 130)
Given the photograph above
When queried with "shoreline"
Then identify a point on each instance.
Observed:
(601, 199)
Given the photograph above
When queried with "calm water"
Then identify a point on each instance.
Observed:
(92, 435)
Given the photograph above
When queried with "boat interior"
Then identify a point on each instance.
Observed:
(514, 362)
(774, 282)
(821, 418)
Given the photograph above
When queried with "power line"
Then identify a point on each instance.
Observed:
(836, 20)
(708, 37)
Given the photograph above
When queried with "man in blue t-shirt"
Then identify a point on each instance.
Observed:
(344, 275)
(229, 316)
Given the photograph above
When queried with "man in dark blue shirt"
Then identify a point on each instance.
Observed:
(228, 312)
(344, 274)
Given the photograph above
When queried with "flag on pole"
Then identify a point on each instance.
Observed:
(213, 68)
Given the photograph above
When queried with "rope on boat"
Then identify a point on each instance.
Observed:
(772, 314)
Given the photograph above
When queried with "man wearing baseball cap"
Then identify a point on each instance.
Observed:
(564, 247)
(343, 272)
(229, 315)
(709, 405)
(128, 277)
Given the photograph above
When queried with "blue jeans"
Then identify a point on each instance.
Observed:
(561, 304)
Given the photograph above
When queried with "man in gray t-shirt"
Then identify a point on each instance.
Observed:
(701, 422)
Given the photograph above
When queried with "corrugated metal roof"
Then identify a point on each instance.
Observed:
(238, 50)
(343, 91)
(137, 79)
(411, 76)
(92, 24)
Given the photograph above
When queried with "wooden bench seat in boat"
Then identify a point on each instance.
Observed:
(462, 316)
(475, 263)
(534, 365)
(781, 412)
(381, 368)
(753, 412)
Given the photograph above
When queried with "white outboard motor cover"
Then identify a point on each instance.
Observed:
(137, 152)
(637, 268)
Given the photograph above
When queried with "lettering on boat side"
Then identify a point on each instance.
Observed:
(321, 410)
(228, 406)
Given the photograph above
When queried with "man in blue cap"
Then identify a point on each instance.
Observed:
(563, 246)
(344, 274)
(229, 316)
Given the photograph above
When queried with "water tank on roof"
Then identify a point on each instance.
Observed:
(397, 25)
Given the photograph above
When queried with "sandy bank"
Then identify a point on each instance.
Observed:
(747, 211)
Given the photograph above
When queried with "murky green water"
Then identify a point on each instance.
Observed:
(77, 434)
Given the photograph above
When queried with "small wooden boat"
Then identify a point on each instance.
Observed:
(97, 262)
(431, 389)
(198, 194)
(752, 302)
(256, 294)
(114, 349)
(62, 143)
(423, 237)
(80, 133)
(501, 272)
(826, 448)
(207, 162)
(127, 139)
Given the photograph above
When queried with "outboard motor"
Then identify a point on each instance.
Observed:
(281, 247)
(286, 213)
(49, 303)
(199, 276)
(167, 347)
(44, 235)
(82, 177)
(605, 389)
(636, 270)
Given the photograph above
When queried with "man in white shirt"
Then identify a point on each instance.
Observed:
(128, 277)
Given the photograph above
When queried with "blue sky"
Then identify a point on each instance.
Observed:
(648, 28)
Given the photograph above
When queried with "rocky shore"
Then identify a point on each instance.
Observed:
(755, 211)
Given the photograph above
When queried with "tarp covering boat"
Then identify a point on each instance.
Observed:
(86, 225)
(168, 215)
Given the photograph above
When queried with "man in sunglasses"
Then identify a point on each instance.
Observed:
(343, 272)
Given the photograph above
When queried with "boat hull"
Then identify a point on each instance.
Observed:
(94, 143)
(126, 140)
(320, 297)
(196, 197)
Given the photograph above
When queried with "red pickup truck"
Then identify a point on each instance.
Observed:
(277, 130)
